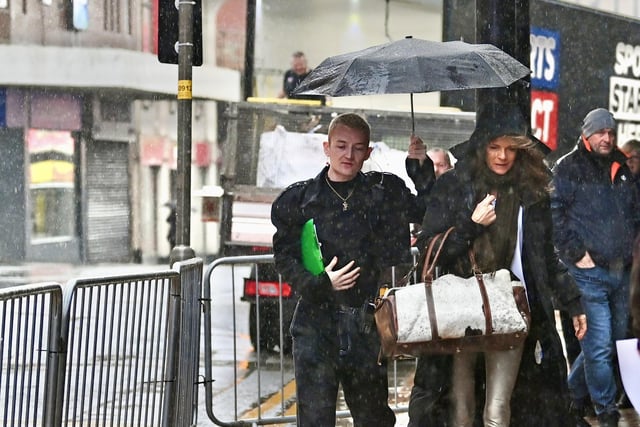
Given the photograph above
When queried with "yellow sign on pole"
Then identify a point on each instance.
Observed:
(184, 89)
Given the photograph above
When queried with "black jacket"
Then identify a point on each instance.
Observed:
(634, 301)
(591, 211)
(374, 231)
(451, 203)
(541, 395)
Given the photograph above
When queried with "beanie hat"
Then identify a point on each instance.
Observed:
(596, 120)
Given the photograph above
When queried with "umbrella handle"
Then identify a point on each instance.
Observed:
(413, 120)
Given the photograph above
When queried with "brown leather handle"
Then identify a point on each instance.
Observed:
(427, 278)
(430, 265)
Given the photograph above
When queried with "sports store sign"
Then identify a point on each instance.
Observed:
(624, 87)
(545, 62)
(582, 59)
(624, 91)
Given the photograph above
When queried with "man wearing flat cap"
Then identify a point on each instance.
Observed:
(595, 221)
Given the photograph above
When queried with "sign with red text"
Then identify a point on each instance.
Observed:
(544, 117)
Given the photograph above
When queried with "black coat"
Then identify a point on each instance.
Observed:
(541, 396)
(374, 231)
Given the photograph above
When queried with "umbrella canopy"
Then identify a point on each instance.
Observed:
(413, 66)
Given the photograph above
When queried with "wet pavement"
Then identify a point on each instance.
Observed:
(20, 274)
(629, 417)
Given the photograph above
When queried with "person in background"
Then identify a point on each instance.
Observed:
(632, 149)
(635, 291)
(171, 220)
(362, 222)
(293, 76)
(497, 200)
(595, 218)
(441, 160)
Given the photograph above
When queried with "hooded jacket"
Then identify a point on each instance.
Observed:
(540, 396)
(595, 207)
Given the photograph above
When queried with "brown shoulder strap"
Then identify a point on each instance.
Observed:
(430, 264)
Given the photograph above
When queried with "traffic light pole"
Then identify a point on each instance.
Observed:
(182, 251)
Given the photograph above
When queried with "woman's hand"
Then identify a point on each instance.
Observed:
(344, 278)
(580, 325)
(485, 211)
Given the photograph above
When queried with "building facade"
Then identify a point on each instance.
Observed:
(88, 124)
(88, 129)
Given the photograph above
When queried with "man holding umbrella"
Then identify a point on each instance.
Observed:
(362, 223)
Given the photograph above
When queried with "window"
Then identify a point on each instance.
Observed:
(51, 185)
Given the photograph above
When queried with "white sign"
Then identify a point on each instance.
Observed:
(629, 361)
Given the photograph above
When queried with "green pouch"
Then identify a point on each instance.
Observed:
(311, 253)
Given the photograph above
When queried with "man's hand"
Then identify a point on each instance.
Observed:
(417, 149)
(586, 261)
(344, 278)
(580, 325)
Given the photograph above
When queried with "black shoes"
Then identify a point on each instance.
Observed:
(624, 402)
(609, 419)
(577, 411)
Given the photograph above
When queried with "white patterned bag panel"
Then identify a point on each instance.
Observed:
(458, 306)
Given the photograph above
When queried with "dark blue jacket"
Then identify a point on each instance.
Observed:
(595, 207)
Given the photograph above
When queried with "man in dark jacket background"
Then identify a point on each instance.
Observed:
(595, 220)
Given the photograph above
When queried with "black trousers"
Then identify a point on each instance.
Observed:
(333, 347)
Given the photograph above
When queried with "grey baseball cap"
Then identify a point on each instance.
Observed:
(596, 120)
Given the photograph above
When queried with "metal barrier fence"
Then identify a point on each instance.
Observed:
(114, 351)
(282, 401)
(118, 335)
(124, 351)
(30, 321)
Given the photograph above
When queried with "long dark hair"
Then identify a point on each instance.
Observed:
(529, 173)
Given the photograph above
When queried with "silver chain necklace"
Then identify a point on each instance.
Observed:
(345, 205)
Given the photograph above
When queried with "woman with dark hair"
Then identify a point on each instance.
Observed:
(497, 200)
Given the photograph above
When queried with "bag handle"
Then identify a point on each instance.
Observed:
(429, 267)
(486, 306)
(427, 278)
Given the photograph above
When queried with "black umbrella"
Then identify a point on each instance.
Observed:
(413, 66)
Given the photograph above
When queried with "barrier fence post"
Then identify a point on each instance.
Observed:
(188, 341)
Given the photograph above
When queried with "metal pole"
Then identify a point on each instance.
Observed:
(249, 48)
(505, 24)
(182, 251)
(522, 53)
(494, 25)
(228, 177)
(154, 197)
(203, 180)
